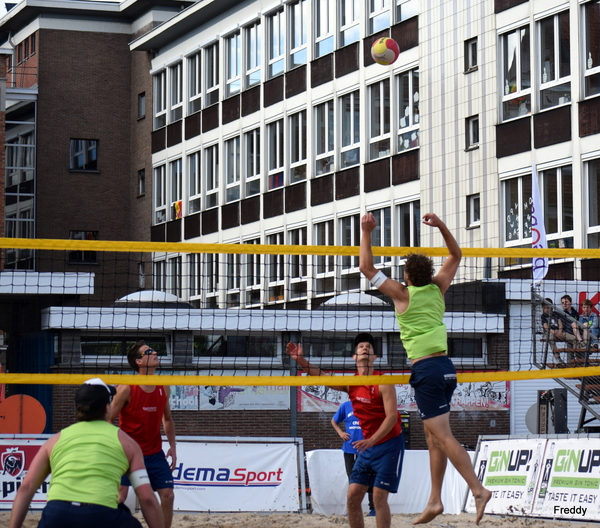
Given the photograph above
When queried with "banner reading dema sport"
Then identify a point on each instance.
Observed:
(510, 470)
(230, 477)
(569, 484)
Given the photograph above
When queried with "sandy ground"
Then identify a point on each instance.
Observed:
(290, 520)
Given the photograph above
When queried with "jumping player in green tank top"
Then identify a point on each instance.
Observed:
(419, 310)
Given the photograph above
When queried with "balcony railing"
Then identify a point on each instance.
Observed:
(22, 77)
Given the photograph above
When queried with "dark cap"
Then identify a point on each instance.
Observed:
(95, 394)
(364, 337)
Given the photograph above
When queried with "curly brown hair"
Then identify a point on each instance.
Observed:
(419, 269)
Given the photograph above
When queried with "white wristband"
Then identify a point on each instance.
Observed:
(378, 279)
(138, 478)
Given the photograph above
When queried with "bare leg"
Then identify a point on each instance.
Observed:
(356, 493)
(437, 469)
(383, 516)
(439, 428)
(167, 498)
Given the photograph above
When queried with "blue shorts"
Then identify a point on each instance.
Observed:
(434, 382)
(64, 514)
(159, 472)
(380, 466)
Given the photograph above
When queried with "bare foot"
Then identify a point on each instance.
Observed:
(430, 512)
(481, 502)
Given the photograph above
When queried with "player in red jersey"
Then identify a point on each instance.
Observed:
(141, 410)
(381, 453)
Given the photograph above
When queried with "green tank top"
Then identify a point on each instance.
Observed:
(87, 463)
(422, 330)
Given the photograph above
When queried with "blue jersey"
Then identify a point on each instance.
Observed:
(346, 414)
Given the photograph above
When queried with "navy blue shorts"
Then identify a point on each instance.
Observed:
(380, 466)
(434, 382)
(64, 514)
(159, 472)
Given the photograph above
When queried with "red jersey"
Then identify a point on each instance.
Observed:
(142, 416)
(370, 411)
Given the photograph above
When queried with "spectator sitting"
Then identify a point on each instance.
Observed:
(589, 321)
(553, 329)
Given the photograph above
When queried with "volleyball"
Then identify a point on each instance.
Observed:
(385, 51)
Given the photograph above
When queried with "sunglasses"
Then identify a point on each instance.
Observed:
(148, 352)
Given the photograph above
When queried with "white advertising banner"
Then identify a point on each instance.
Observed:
(228, 477)
(510, 470)
(569, 485)
(15, 459)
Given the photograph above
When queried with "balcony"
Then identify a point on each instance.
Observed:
(21, 76)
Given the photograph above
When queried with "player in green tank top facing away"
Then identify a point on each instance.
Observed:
(419, 306)
(87, 460)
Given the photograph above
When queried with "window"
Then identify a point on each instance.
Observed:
(349, 21)
(84, 155)
(408, 110)
(472, 132)
(555, 61)
(473, 218)
(517, 210)
(233, 278)
(176, 92)
(253, 54)
(379, 15)
(299, 36)
(160, 275)
(195, 274)
(592, 49)
(470, 55)
(141, 182)
(232, 169)
(253, 275)
(379, 119)
(276, 270)
(325, 267)
(95, 348)
(275, 154)
(350, 129)
(233, 66)
(253, 349)
(382, 235)
(516, 73)
(79, 256)
(175, 189)
(160, 195)
(349, 236)
(174, 276)
(211, 176)
(160, 99)
(141, 105)
(33, 43)
(194, 83)
(465, 347)
(276, 43)
(211, 73)
(141, 275)
(252, 165)
(409, 224)
(324, 138)
(406, 9)
(593, 181)
(557, 196)
(194, 183)
(297, 123)
(298, 264)
(319, 346)
(211, 279)
(324, 27)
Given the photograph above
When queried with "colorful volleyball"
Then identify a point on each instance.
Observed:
(385, 51)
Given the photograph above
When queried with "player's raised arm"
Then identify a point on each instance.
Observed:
(445, 276)
(297, 354)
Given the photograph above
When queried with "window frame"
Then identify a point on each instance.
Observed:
(471, 55)
(472, 132)
(473, 210)
(562, 237)
(298, 288)
(349, 32)
(79, 256)
(252, 168)
(276, 45)
(412, 232)
(275, 154)
(324, 26)
(175, 189)
(87, 150)
(520, 96)
(378, 14)
(159, 99)
(522, 192)
(298, 36)
(324, 137)
(324, 265)
(211, 74)
(253, 54)
(194, 180)
(210, 157)
(408, 136)
(233, 176)
(298, 168)
(159, 196)
(349, 149)
(591, 72)
(176, 92)
(194, 82)
(233, 63)
(379, 121)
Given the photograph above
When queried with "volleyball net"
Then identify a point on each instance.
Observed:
(222, 314)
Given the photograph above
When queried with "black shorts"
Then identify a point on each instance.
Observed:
(434, 382)
(64, 514)
(159, 472)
